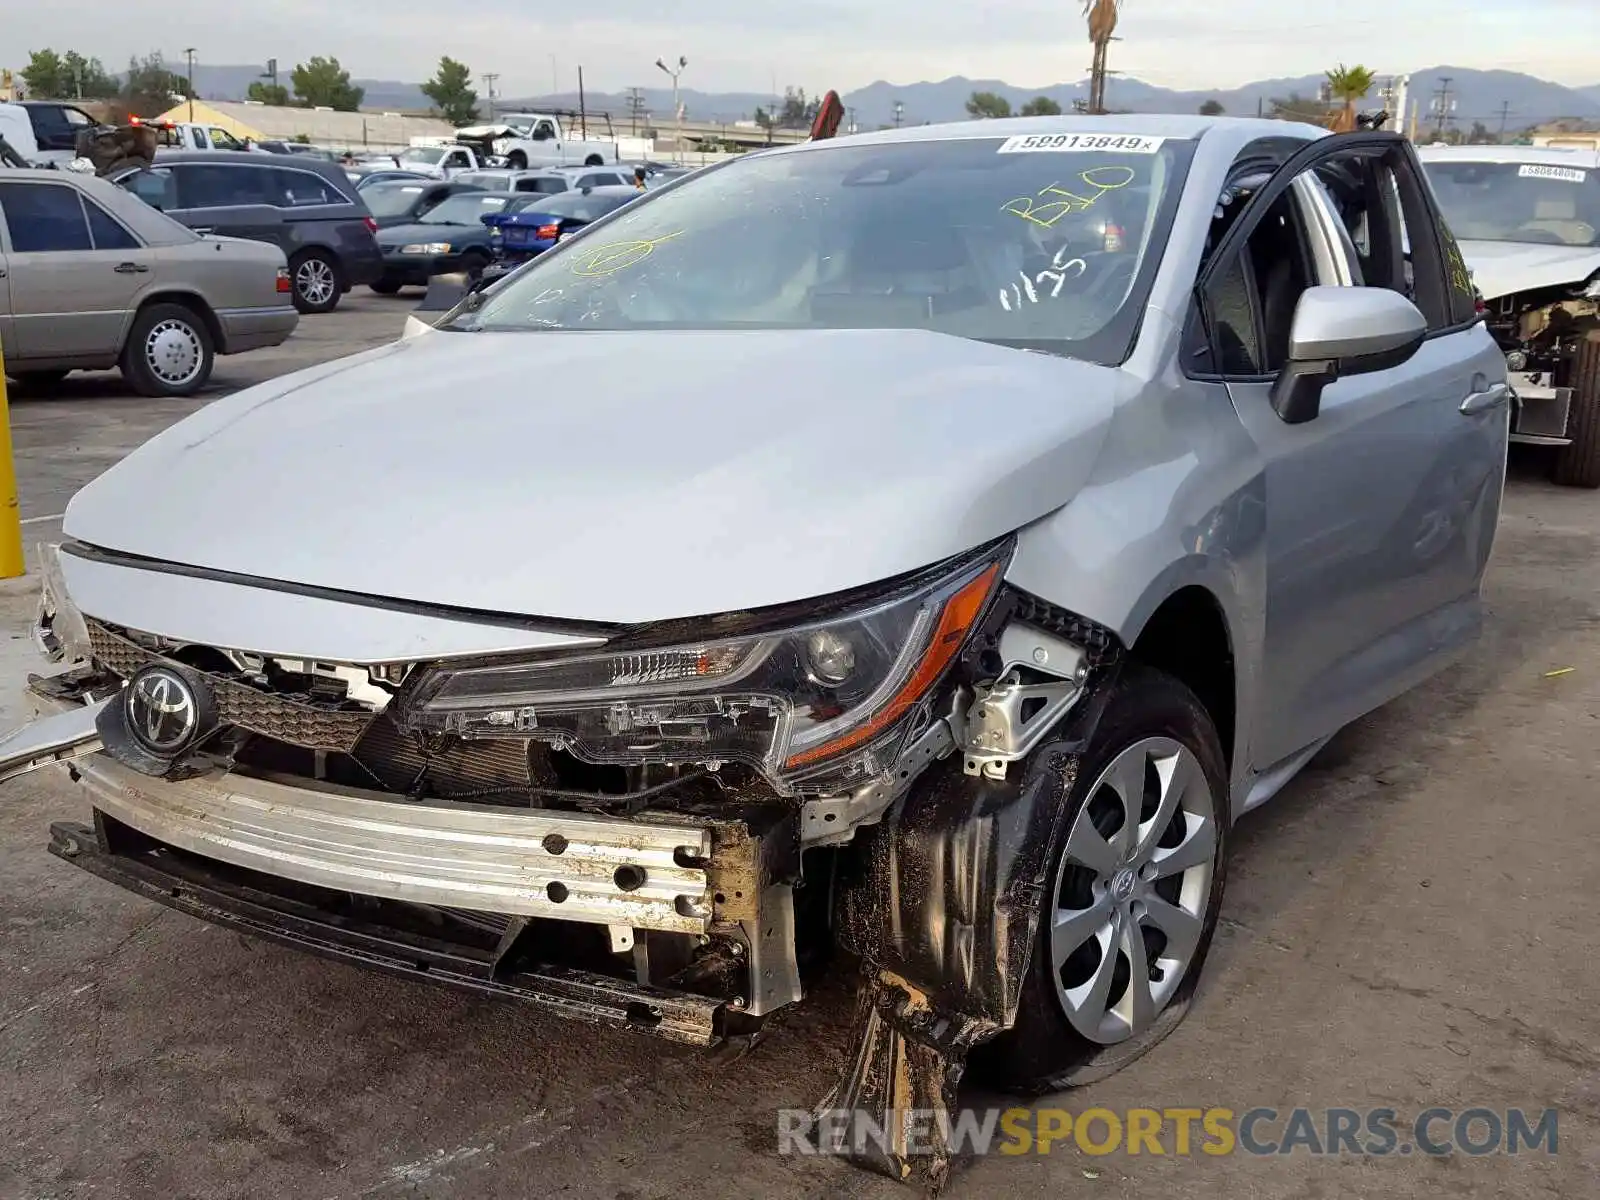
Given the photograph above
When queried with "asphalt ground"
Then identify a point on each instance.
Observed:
(1408, 926)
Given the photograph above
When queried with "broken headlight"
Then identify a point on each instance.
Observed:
(817, 702)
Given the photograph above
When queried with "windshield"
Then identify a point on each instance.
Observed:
(1041, 241)
(1549, 204)
(422, 154)
(579, 206)
(390, 199)
(464, 209)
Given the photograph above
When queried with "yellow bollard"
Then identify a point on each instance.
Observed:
(11, 562)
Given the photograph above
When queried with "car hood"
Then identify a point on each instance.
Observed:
(614, 477)
(1503, 268)
(390, 236)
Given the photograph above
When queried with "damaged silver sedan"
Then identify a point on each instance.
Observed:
(1008, 509)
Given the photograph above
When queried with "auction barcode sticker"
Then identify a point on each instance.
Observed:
(1569, 174)
(1062, 143)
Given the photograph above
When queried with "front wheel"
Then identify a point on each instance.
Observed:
(169, 352)
(1578, 463)
(316, 281)
(1134, 893)
(518, 161)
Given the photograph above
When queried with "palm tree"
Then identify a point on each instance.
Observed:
(1349, 84)
(1102, 16)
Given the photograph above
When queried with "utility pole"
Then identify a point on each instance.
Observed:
(1442, 103)
(850, 114)
(899, 113)
(490, 78)
(635, 107)
(677, 109)
(189, 54)
(1505, 115)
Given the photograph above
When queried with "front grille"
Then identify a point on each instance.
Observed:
(286, 719)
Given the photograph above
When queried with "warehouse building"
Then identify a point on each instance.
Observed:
(321, 126)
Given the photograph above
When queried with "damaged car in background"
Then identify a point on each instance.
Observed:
(1529, 223)
(961, 576)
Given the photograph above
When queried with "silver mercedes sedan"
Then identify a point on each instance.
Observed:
(91, 277)
(922, 545)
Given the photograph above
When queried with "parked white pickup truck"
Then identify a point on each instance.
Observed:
(539, 140)
(438, 161)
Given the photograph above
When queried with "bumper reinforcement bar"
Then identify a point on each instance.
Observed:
(248, 903)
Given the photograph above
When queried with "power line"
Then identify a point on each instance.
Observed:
(1441, 102)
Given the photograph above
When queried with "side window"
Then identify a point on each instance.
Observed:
(589, 181)
(76, 118)
(43, 218)
(221, 139)
(1441, 288)
(457, 159)
(297, 189)
(208, 185)
(155, 187)
(543, 131)
(108, 233)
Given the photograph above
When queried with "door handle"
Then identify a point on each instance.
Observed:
(129, 268)
(1485, 401)
(202, 230)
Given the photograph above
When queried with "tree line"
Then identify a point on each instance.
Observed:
(149, 85)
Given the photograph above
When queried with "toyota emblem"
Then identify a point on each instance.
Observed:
(163, 709)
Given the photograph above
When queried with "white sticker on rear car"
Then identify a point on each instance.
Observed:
(1065, 143)
(1569, 174)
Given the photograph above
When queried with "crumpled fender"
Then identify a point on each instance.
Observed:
(942, 907)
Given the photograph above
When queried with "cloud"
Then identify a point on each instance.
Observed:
(745, 46)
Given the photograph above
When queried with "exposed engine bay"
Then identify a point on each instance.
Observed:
(1540, 330)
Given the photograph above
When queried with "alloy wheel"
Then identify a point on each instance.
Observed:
(314, 280)
(1132, 890)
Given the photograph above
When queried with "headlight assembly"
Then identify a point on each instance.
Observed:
(819, 702)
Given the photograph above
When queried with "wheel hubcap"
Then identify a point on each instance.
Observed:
(172, 352)
(315, 281)
(1132, 891)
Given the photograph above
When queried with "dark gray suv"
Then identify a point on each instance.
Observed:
(307, 207)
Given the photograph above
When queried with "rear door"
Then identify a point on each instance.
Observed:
(75, 272)
(1381, 511)
(233, 199)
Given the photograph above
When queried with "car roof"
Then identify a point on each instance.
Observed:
(1550, 156)
(302, 162)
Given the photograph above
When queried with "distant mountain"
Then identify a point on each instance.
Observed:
(233, 82)
(1475, 96)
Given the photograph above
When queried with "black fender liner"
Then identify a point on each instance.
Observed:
(942, 909)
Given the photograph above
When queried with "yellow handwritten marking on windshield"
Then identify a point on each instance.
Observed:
(1100, 179)
(617, 256)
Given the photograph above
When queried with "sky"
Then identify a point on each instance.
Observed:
(740, 45)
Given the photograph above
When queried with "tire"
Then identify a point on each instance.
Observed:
(316, 278)
(517, 160)
(1155, 718)
(169, 351)
(37, 381)
(594, 160)
(473, 264)
(386, 287)
(1578, 464)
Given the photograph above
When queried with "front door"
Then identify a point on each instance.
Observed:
(1380, 513)
(70, 300)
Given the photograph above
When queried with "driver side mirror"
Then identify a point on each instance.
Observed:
(1341, 331)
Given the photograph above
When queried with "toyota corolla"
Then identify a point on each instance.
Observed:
(1011, 506)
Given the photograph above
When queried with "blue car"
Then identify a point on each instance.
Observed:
(516, 237)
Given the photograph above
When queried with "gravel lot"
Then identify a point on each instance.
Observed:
(1404, 927)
